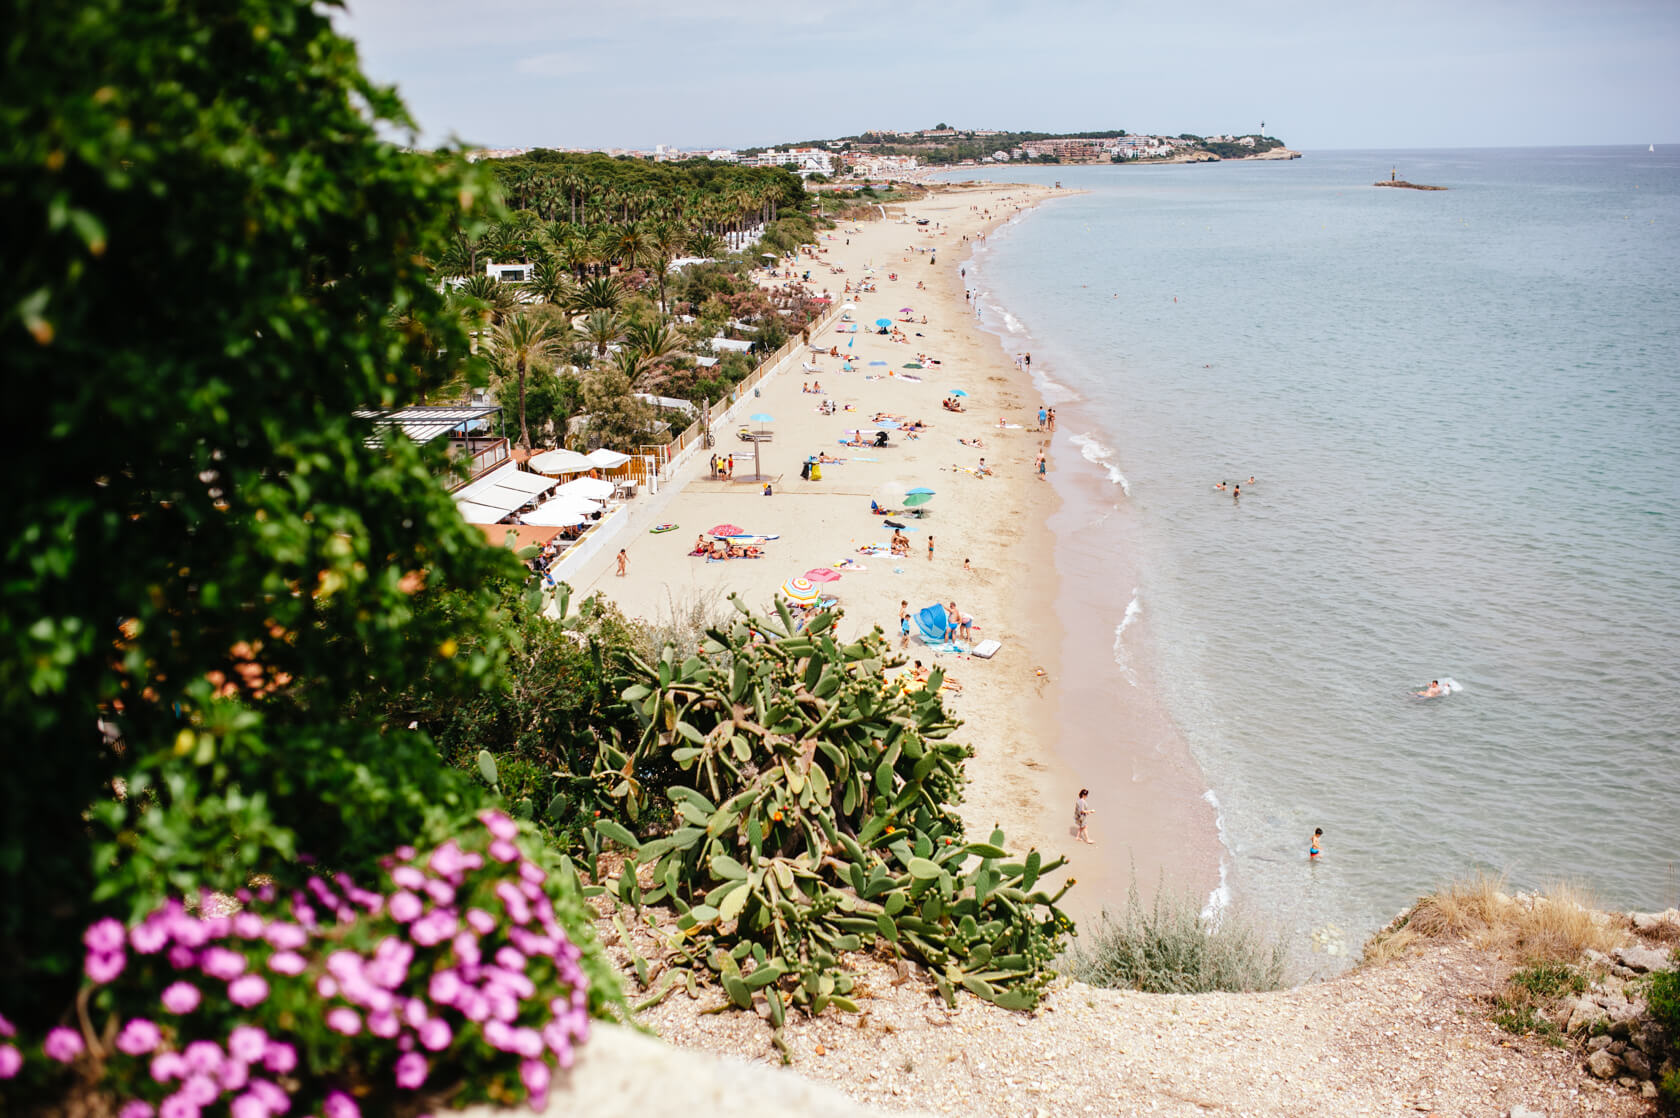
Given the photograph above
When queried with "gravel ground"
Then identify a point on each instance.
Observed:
(1407, 1037)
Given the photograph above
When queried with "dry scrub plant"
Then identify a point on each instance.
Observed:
(1554, 926)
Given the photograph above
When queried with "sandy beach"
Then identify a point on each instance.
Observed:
(1035, 731)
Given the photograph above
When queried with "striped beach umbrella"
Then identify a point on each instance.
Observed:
(800, 591)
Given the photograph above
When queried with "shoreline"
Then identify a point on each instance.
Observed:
(1041, 715)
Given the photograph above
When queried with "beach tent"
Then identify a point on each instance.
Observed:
(932, 622)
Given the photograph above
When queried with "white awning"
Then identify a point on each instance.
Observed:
(589, 488)
(503, 488)
(474, 513)
(608, 459)
(516, 478)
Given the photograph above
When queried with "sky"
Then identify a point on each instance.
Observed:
(1321, 75)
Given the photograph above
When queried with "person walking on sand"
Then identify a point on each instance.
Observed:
(1038, 462)
(1314, 846)
(930, 549)
(623, 562)
(1082, 811)
(904, 624)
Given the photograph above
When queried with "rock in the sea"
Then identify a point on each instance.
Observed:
(1642, 960)
(1603, 1065)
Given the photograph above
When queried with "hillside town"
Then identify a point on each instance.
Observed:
(888, 153)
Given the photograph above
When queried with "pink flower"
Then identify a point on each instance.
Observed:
(149, 936)
(233, 1075)
(180, 997)
(509, 959)
(203, 1057)
(504, 851)
(138, 1037)
(404, 853)
(247, 990)
(405, 907)
(407, 877)
(530, 872)
(181, 956)
(528, 1043)
(6, 1027)
(535, 1074)
(248, 925)
(277, 1101)
(11, 1061)
(287, 962)
(248, 1105)
(440, 891)
(63, 1045)
(444, 987)
(101, 967)
(167, 1066)
(447, 861)
(480, 921)
(466, 949)
(104, 937)
(340, 1105)
(178, 1105)
(345, 1020)
(384, 1024)
(498, 824)
(247, 1043)
(411, 1071)
(222, 963)
(435, 1035)
(433, 928)
(285, 937)
(135, 1108)
(326, 986)
(279, 1057)
(200, 1089)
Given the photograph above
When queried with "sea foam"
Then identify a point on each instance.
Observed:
(1133, 608)
(1098, 454)
(1220, 898)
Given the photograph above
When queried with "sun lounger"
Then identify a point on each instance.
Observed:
(986, 649)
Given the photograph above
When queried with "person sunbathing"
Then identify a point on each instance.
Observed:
(699, 545)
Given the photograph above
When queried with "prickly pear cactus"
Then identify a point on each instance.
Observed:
(815, 815)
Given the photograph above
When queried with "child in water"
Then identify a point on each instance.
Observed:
(1313, 850)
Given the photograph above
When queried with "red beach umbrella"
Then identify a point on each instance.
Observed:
(724, 530)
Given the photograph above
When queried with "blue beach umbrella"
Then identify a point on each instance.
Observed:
(877, 362)
(883, 322)
(762, 418)
(891, 424)
(958, 392)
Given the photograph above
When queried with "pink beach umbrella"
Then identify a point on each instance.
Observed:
(823, 574)
(724, 530)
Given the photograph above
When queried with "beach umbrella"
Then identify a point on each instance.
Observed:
(912, 364)
(890, 424)
(800, 591)
(917, 497)
(823, 574)
(760, 418)
(555, 462)
(905, 310)
(877, 362)
(724, 530)
(593, 488)
(883, 322)
(958, 392)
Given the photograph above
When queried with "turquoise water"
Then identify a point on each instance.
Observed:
(1462, 410)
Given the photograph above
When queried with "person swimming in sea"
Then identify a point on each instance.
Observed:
(1433, 691)
(1313, 850)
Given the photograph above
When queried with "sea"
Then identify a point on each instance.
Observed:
(1455, 420)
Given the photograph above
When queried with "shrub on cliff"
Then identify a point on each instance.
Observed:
(815, 815)
(1171, 947)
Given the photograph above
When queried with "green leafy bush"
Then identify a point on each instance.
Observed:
(1172, 948)
(814, 806)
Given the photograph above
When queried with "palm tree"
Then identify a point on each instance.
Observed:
(491, 298)
(665, 240)
(551, 282)
(516, 346)
(630, 245)
(653, 340)
(598, 293)
(601, 328)
(705, 244)
(630, 365)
